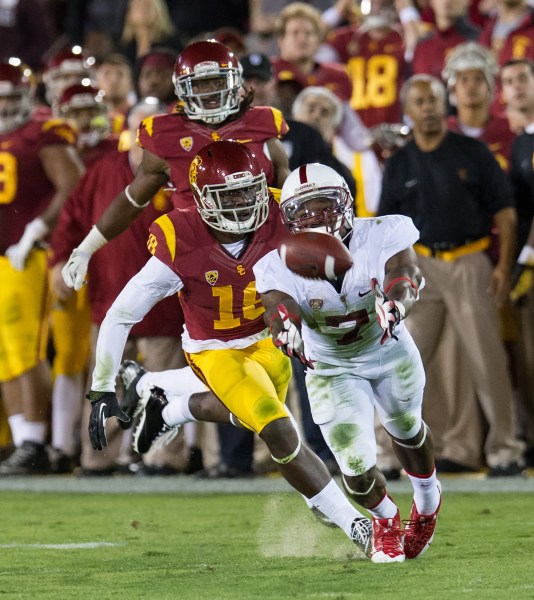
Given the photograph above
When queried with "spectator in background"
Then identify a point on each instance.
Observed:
(85, 17)
(451, 187)
(299, 32)
(320, 108)
(26, 30)
(115, 78)
(208, 15)
(373, 52)
(452, 28)
(517, 77)
(153, 75)
(147, 24)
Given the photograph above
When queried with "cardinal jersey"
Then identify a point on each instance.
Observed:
(376, 68)
(497, 136)
(177, 139)
(25, 190)
(219, 296)
(341, 328)
(329, 75)
(113, 265)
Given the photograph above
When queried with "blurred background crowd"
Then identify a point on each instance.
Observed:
(336, 71)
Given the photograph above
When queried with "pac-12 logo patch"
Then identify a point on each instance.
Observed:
(186, 143)
(316, 304)
(211, 277)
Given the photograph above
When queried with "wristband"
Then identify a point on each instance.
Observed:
(132, 201)
(408, 14)
(92, 242)
(398, 280)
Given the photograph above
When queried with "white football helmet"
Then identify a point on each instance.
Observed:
(467, 56)
(314, 196)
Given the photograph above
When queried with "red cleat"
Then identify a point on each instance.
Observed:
(387, 540)
(419, 532)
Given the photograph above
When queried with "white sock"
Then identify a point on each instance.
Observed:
(35, 431)
(67, 398)
(16, 424)
(333, 503)
(426, 493)
(191, 434)
(385, 509)
(182, 382)
(177, 411)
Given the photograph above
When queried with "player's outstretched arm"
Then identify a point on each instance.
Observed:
(402, 282)
(282, 315)
(118, 216)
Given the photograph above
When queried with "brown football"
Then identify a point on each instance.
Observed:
(315, 255)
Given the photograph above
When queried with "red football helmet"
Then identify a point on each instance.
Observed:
(16, 94)
(84, 105)
(207, 79)
(67, 67)
(229, 187)
(314, 196)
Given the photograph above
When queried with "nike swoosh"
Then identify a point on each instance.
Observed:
(410, 183)
(364, 294)
(244, 141)
(101, 409)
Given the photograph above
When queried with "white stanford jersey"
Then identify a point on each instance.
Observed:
(341, 327)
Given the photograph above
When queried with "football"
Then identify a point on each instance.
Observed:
(315, 254)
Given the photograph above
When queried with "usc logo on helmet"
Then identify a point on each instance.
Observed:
(193, 169)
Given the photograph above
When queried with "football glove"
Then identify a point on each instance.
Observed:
(75, 270)
(289, 339)
(104, 406)
(389, 313)
(34, 232)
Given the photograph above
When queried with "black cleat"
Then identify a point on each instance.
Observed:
(152, 428)
(129, 374)
(361, 533)
(29, 459)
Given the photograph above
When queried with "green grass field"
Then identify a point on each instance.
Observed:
(250, 546)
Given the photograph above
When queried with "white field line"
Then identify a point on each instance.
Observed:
(81, 546)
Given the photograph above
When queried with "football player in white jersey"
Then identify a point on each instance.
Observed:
(363, 356)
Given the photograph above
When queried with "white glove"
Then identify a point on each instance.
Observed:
(75, 270)
(289, 339)
(389, 313)
(18, 253)
(526, 257)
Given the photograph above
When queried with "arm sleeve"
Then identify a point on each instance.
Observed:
(154, 282)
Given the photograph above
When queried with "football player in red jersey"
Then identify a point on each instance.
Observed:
(374, 54)
(206, 252)
(65, 68)
(208, 83)
(156, 337)
(38, 168)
